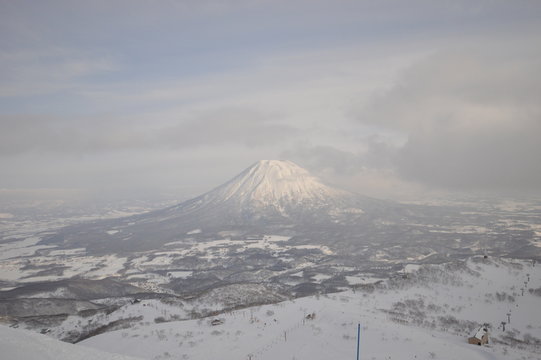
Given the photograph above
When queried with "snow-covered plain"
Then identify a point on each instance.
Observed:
(427, 315)
(15, 258)
(20, 235)
(73, 262)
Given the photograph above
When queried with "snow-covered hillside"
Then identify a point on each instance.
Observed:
(26, 345)
(429, 314)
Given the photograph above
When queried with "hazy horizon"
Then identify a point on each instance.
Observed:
(169, 99)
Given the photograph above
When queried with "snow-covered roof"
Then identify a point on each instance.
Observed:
(482, 331)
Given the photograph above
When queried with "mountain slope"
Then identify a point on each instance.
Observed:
(271, 188)
(271, 196)
(428, 315)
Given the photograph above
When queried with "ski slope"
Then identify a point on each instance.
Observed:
(429, 315)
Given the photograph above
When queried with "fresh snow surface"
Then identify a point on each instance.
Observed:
(331, 335)
(26, 345)
(180, 274)
(428, 315)
(409, 268)
(218, 248)
(75, 261)
(21, 248)
(480, 333)
(362, 280)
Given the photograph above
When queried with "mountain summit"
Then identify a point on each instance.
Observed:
(269, 191)
(274, 183)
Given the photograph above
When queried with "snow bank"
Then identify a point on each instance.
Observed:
(22, 344)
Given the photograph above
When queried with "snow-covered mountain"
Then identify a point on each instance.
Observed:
(273, 183)
(272, 188)
(271, 196)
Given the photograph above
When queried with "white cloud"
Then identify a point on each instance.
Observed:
(224, 83)
(27, 73)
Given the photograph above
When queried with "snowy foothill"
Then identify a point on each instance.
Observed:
(427, 314)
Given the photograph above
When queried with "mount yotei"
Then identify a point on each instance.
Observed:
(272, 191)
(271, 196)
(274, 197)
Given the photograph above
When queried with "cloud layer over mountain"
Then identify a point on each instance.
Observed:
(384, 98)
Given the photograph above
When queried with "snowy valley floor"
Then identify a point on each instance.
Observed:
(428, 315)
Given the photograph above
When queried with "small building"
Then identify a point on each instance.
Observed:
(480, 337)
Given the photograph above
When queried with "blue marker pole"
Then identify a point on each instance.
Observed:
(358, 339)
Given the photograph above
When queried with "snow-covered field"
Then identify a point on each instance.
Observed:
(20, 262)
(427, 312)
(423, 312)
(20, 235)
(427, 315)
(212, 249)
(27, 267)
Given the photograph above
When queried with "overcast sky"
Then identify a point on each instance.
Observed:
(384, 98)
